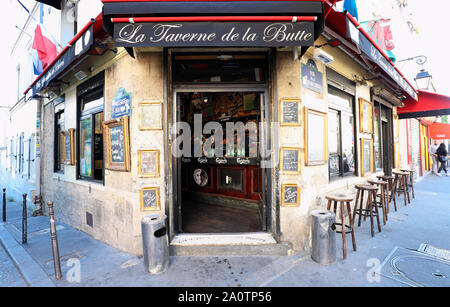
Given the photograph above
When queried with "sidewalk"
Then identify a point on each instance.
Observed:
(425, 220)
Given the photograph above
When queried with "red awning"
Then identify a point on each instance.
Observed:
(339, 25)
(429, 104)
(439, 131)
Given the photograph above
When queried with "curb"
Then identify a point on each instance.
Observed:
(31, 271)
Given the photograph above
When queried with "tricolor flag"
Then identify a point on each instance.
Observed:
(44, 51)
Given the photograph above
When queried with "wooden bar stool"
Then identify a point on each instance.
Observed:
(371, 206)
(390, 191)
(401, 179)
(411, 176)
(382, 185)
(344, 201)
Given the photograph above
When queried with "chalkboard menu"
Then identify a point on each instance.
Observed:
(290, 195)
(148, 163)
(150, 199)
(290, 160)
(117, 145)
(290, 112)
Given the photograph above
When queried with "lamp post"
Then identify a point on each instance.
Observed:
(423, 78)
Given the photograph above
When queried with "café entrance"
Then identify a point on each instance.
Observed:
(221, 118)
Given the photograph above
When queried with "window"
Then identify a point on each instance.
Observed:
(90, 130)
(341, 134)
(377, 137)
(59, 127)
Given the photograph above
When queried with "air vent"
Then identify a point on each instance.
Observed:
(89, 219)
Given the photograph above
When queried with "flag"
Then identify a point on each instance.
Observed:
(350, 7)
(37, 64)
(45, 48)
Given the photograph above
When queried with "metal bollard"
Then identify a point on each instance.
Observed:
(24, 220)
(4, 205)
(54, 238)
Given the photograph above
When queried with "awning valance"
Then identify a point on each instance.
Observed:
(439, 131)
(428, 104)
(360, 44)
(55, 3)
(75, 50)
(232, 23)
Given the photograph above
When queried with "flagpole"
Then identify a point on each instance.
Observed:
(39, 23)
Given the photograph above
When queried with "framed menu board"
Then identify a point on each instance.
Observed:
(148, 163)
(68, 146)
(150, 199)
(365, 116)
(117, 144)
(366, 156)
(396, 128)
(290, 195)
(290, 160)
(290, 112)
(150, 115)
(316, 137)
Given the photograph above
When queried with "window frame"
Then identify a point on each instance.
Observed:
(339, 110)
(90, 89)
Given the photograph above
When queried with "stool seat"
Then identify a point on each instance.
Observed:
(375, 182)
(396, 172)
(408, 170)
(339, 197)
(401, 178)
(385, 178)
(411, 173)
(366, 187)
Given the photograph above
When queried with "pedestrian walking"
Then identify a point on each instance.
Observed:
(442, 152)
(433, 147)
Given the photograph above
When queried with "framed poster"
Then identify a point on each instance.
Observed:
(290, 195)
(148, 163)
(68, 146)
(117, 144)
(365, 116)
(366, 156)
(290, 112)
(150, 199)
(396, 128)
(316, 137)
(290, 160)
(150, 115)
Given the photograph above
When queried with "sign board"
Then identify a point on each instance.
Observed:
(214, 34)
(312, 78)
(378, 58)
(150, 199)
(290, 160)
(148, 163)
(290, 112)
(117, 144)
(121, 104)
(290, 195)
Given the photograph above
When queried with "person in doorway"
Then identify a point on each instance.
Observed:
(441, 153)
(433, 148)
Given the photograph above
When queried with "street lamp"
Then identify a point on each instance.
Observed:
(423, 78)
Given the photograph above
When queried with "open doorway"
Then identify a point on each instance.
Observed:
(220, 179)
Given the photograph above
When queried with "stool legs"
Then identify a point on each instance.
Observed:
(371, 205)
(349, 209)
(344, 243)
(383, 204)
(407, 188)
(342, 205)
(412, 184)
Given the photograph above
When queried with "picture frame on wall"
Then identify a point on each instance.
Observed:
(68, 146)
(150, 199)
(366, 156)
(290, 112)
(290, 160)
(148, 162)
(290, 195)
(365, 116)
(117, 144)
(150, 115)
(316, 137)
(396, 128)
